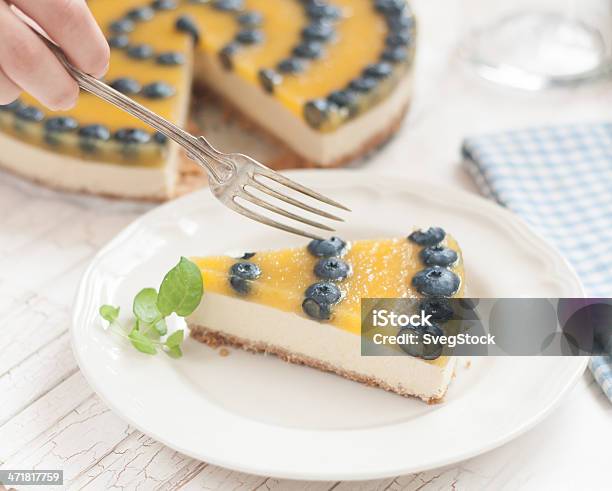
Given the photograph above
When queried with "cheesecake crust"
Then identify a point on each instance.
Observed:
(216, 339)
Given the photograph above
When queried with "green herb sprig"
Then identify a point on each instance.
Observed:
(180, 292)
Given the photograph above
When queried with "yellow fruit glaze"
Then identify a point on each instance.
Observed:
(159, 33)
(359, 41)
(380, 269)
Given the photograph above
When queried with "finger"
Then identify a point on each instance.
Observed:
(9, 91)
(26, 60)
(72, 26)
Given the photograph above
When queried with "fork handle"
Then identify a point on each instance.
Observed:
(195, 146)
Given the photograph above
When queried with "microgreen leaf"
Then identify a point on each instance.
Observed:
(161, 327)
(141, 342)
(145, 306)
(109, 313)
(181, 290)
(149, 331)
(175, 339)
(174, 352)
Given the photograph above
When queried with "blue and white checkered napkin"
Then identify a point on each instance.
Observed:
(559, 180)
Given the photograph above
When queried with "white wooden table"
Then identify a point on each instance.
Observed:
(50, 418)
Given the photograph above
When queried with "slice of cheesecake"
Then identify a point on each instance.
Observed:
(303, 304)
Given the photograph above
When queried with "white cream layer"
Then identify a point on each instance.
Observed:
(70, 173)
(301, 336)
(314, 146)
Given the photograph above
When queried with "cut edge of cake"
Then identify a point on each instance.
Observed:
(216, 339)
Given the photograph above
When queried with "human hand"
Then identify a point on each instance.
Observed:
(26, 64)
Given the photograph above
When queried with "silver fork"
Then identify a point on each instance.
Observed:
(231, 175)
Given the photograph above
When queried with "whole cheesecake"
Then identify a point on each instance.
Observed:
(331, 80)
(303, 304)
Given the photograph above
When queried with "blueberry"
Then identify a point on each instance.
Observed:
(120, 41)
(11, 106)
(132, 135)
(159, 138)
(249, 36)
(318, 31)
(229, 5)
(308, 49)
(240, 285)
(246, 270)
(157, 90)
(417, 347)
(363, 84)
(324, 292)
(126, 85)
(163, 4)
(316, 112)
(122, 26)
(322, 11)
(186, 23)
(95, 132)
(343, 98)
(332, 268)
(390, 7)
(334, 246)
(241, 274)
(226, 53)
(141, 14)
(269, 79)
(250, 19)
(378, 70)
(61, 124)
(433, 351)
(432, 236)
(316, 310)
(439, 309)
(400, 22)
(290, 65)
(436, 281)
(58, 124)
(170, 58)
(29, 113)
(438, 256)
(140, 51)
(395, 55)
(401, 38)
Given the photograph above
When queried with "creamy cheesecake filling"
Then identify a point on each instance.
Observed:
(318, 147)
(319, 341)
(73, 174)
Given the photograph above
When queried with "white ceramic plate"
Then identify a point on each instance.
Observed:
(260, 415)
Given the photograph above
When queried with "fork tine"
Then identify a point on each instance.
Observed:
(288, 199)
(287, 214)
(266, 221)
(264, 171)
